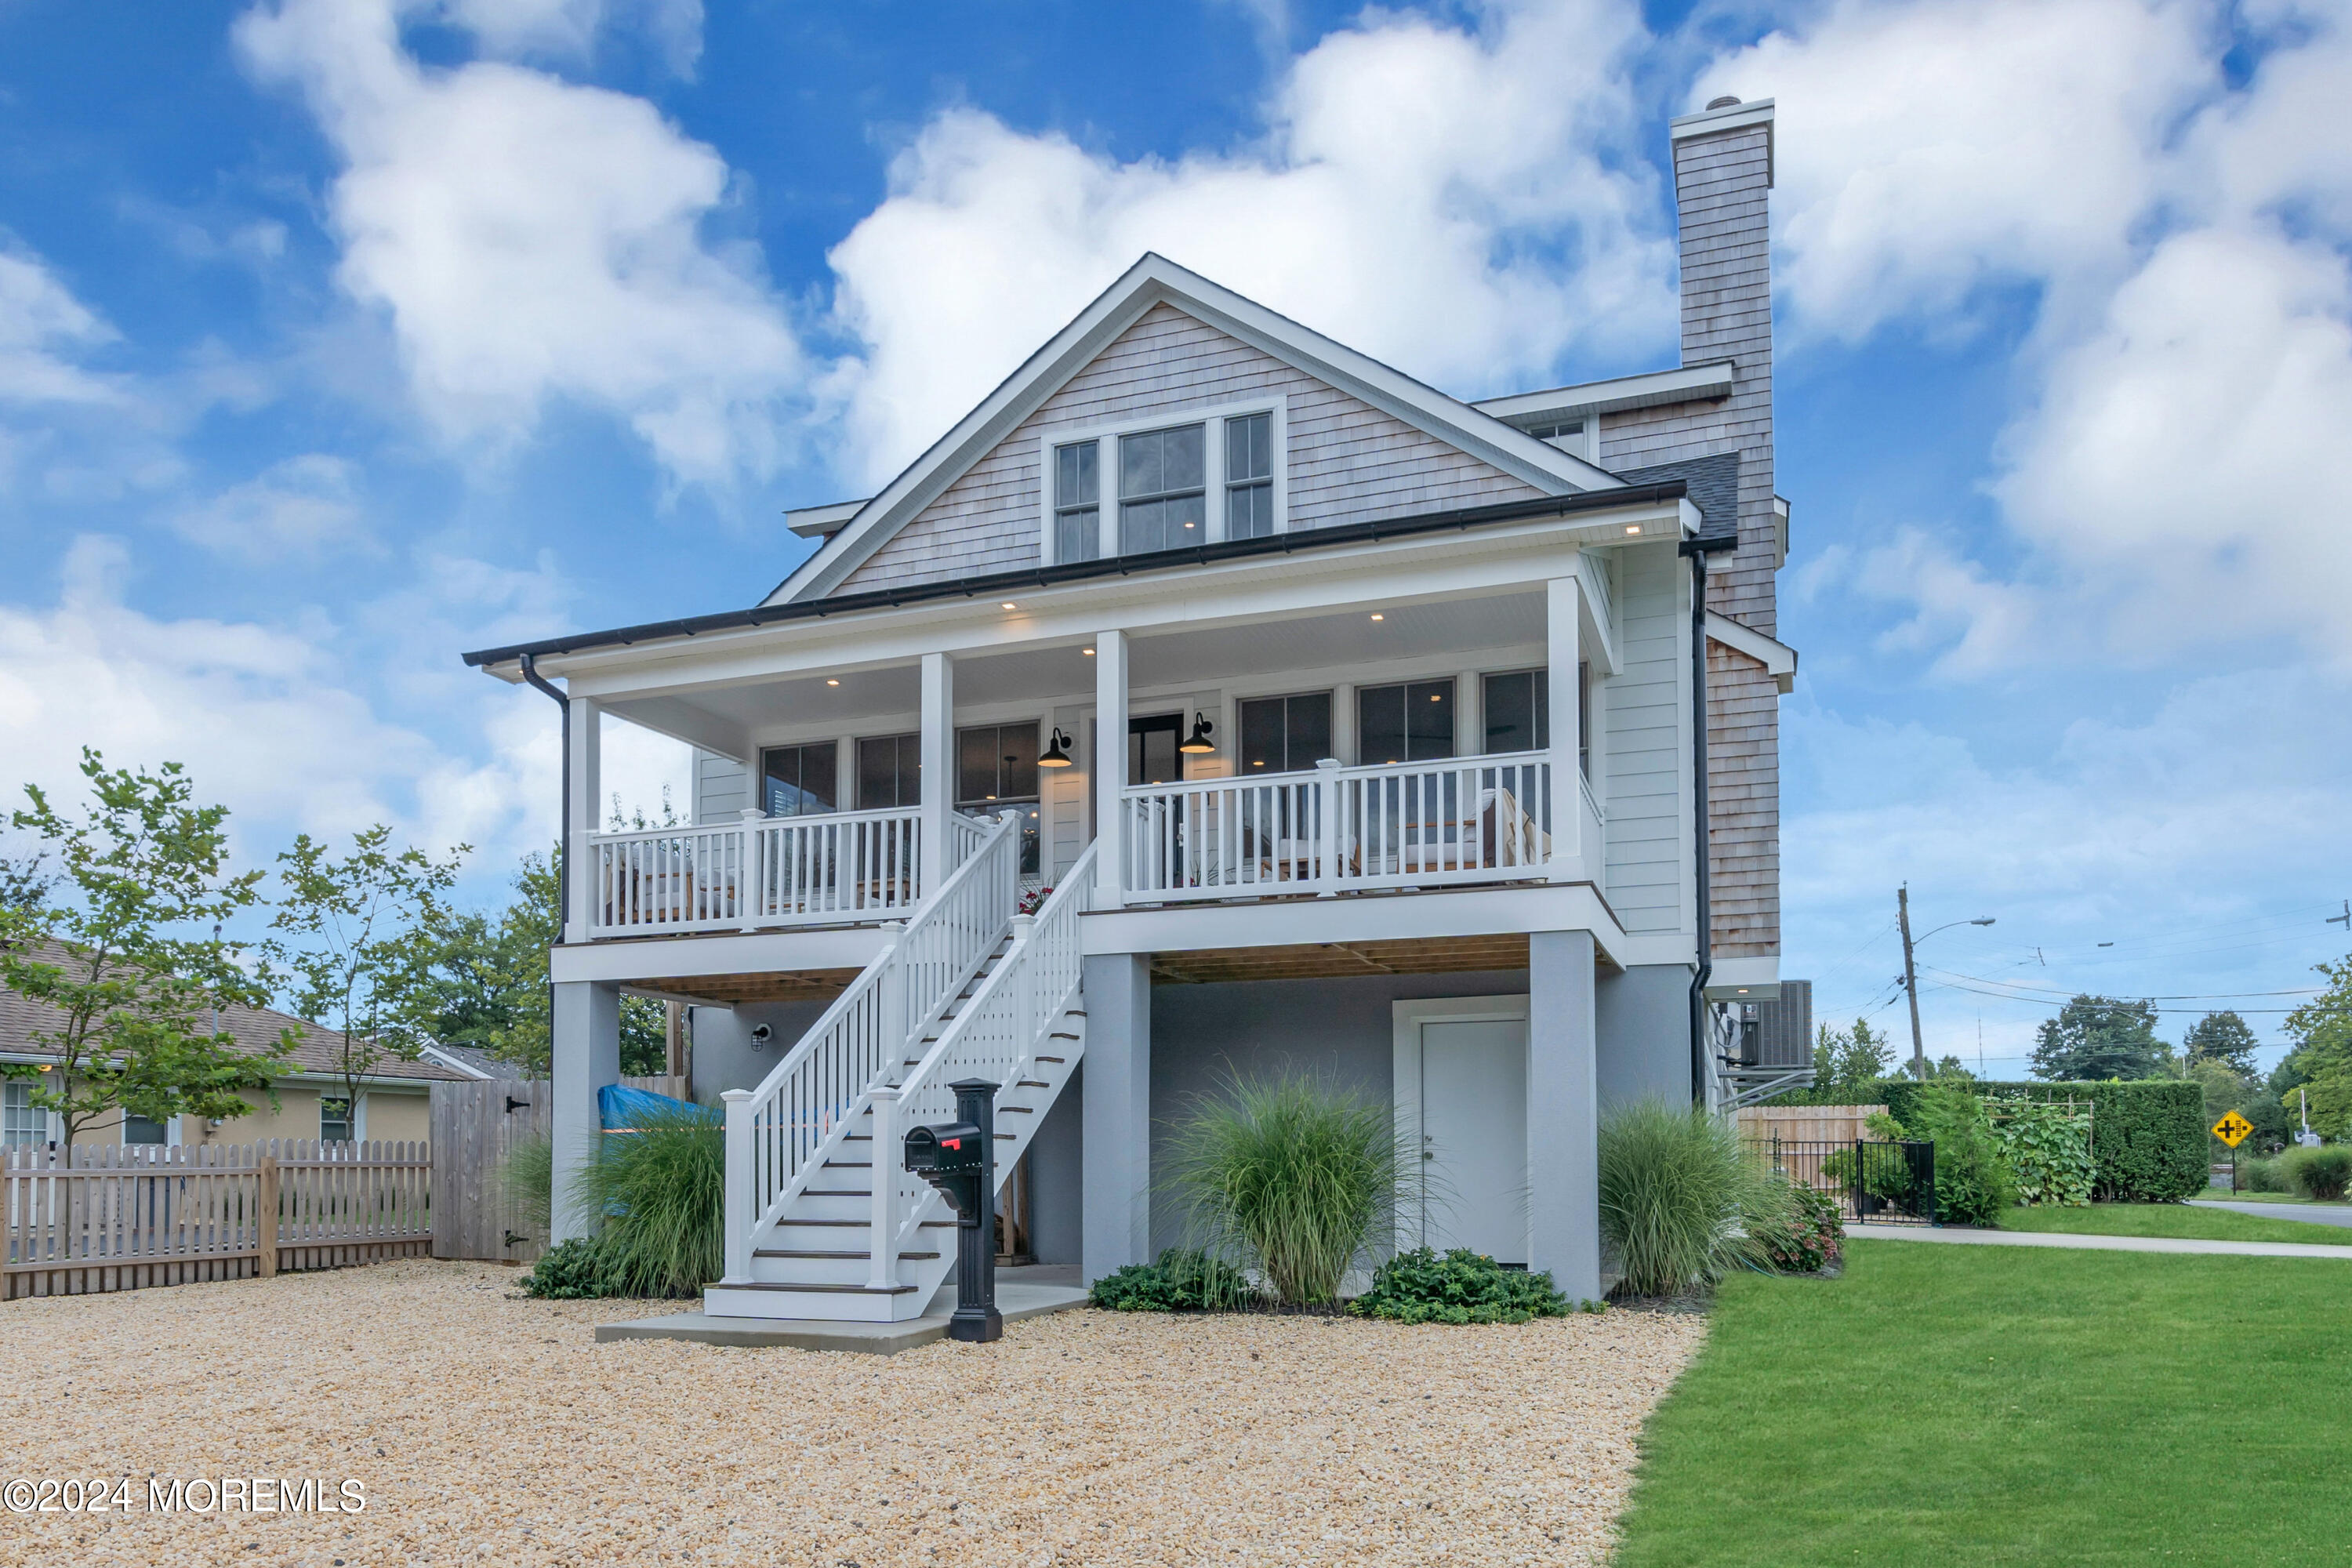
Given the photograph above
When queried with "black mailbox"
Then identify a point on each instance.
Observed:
(959, 1158)
(946, 1146)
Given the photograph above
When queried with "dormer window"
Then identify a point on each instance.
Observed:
(1162, 495)
(1186, 476)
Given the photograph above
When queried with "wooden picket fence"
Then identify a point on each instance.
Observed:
(123, 1217)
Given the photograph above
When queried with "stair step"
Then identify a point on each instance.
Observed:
(849, 1165)
(827, 1289)
(858, 1137)
(1059, 1036)
(1055, 1060)
(1033, 1083)
(832, 1193)
(1074, 1012)
(812, 1252)
(865, 1224)
(1004, 1137)
(1020, 1110)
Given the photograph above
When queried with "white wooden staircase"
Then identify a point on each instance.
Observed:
(821, 1220)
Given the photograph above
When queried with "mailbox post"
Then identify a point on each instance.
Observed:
(959, 1158)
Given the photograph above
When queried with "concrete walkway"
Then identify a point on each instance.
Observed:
(1016, 1298)
(2308, 1213)
(2095, 1243)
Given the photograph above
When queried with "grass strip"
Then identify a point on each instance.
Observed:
(2175, 1220)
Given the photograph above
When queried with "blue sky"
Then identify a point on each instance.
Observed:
(336, 339)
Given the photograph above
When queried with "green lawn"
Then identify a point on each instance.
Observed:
(2174, 1219)
(1950, 1405)
(2223, 1194)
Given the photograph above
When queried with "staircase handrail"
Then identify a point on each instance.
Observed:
(1008, 1017)
(807, 1102)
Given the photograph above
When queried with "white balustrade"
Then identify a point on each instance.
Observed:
(1478, 819)
(860, 1042)
(759, 871)
(996, 1036)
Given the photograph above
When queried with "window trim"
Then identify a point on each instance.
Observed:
(1105, 435)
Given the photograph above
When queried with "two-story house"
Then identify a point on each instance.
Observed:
(1216, 699)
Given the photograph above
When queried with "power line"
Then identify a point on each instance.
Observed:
(2060, 990)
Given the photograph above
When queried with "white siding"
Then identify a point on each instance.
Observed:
(1641, 716)
(722, 787)
(1348, 460)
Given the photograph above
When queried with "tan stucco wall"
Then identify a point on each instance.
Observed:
(399, 1115)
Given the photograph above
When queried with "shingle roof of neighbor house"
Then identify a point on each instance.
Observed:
(255, 1030)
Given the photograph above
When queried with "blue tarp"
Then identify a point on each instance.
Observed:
(623, 1109)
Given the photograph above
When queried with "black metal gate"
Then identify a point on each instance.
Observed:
(1876, 1183)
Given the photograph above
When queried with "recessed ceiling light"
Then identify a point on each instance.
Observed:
(1088, 651)
(833, 683)
(1437, 697)
(1011, 606)
(1377, 617)
(1632, 528)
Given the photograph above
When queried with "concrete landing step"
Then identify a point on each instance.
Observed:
(1015, 1299)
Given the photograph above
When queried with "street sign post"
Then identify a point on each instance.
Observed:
(2232, 1130)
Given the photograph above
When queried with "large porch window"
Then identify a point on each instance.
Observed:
(889, 771)
(1412, 722)
(1285, 734)
(799, 781)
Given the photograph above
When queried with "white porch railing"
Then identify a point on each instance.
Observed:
(997, 1036)
(1480, 819)
(761, 871)
(779, 1134)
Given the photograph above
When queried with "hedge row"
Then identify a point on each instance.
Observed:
(2148, 1134)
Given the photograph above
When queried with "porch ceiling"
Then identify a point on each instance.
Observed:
(1325, 961)
(797, 985)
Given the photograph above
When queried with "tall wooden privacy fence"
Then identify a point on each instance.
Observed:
(1806, 1123)
(109, 1218)
(478, 1211)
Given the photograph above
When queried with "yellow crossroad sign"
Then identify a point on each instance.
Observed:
(2232, 1129)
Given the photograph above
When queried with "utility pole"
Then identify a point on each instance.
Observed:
(1910, 981)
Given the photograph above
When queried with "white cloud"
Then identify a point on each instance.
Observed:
(1465, 205)
(43, 330)
(1924, 151)
(531, 240)
(300, 507)
(569, 27)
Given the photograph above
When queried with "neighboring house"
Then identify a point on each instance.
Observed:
(470, 1061)
(1349, 724)
(312, 1098)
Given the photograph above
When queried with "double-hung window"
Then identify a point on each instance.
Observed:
(996, 770)
(1518, 711)
(1077, 501)
(1249, 477)
(137, 1128)
(799, 781)
(1162, 490)
(22, 1123)
(335, 1124)
(889, 771)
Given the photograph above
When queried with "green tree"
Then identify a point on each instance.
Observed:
(2222, 1037)
(129, 996)
(2095, 1037)
(489, 985)
(1849, 1058)
(358, 937)
(23, 885)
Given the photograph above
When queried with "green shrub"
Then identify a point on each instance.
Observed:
(1286, 1180)
(575, 1270)
(2258, 1174)
(1811, 1238)
(1458, 1287)
(2321, 1173)
(1972, 1185)
(1183, 1279)
(661, 1192)
(2047, 1149)
(1680, 1201)
(2148, 1136)
(528, 1178)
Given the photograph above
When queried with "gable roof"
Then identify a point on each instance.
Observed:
(252, 1031)
(1153, 281)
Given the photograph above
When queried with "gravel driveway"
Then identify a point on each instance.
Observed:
(485, 1428)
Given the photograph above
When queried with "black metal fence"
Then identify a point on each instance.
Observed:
(1876, 1183)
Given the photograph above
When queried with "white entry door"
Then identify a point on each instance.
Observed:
(1473, 1134)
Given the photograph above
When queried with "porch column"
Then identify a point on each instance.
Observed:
(939, 781)
(587, 789)
(1563, 600)
(1110, 768)
(586, 1057)
(1115, 1203)
(1563, 1114)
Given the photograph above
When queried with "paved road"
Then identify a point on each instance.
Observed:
(2097, 1243)
(2309, 1214)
